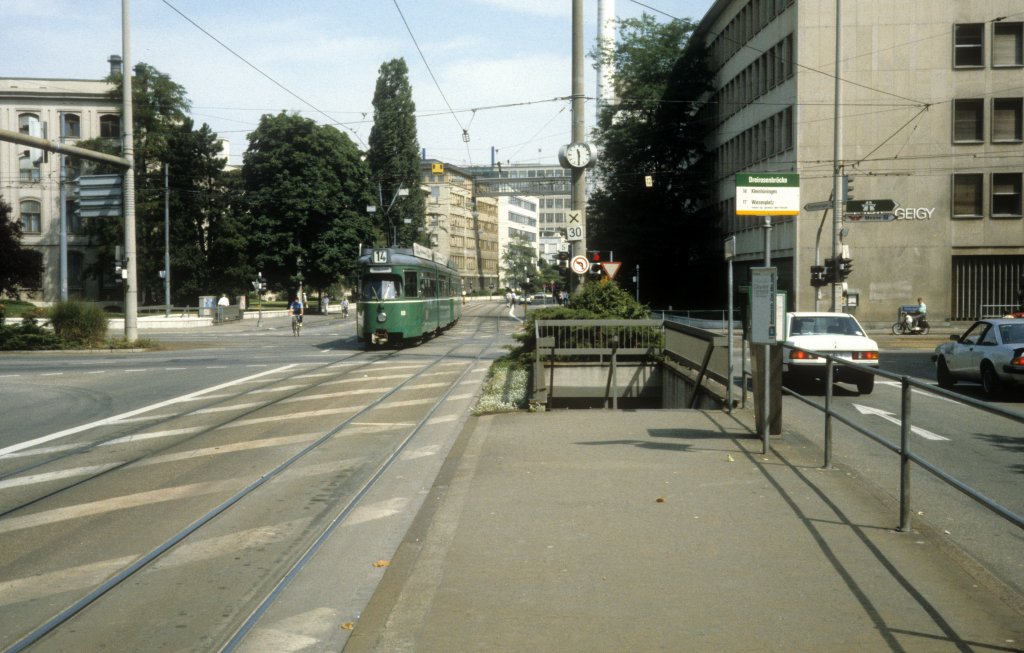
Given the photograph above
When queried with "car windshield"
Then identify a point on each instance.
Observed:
(824, 324)
(1012, 334)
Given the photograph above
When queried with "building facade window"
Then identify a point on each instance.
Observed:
(31, 217)
(30, 159)
(28, 123)
(71, 126)
(110, 126)
(968, 195)
(968, 121)
(1007, 45)
(1007, 121)
(1006, 195)
(76, 270)
(969, 45)
(74, 218)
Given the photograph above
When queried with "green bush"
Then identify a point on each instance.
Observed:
(79, 322)
(28, 336)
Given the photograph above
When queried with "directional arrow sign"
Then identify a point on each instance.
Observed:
(823, 205)
(871, 206)
(884, 414)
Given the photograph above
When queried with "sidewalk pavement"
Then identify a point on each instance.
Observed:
(665, 530)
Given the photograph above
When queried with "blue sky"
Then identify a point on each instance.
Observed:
(327, 53)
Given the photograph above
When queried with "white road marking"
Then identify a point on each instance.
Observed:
(380, 510)
(250, 445)
(224, 409)
(152, 435)
(918, 391)
(290, 416)
(132, 413)
(886, 415)
(113, 504)
(40, 586)
(32, 479)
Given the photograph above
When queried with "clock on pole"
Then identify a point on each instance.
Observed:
(577, 155)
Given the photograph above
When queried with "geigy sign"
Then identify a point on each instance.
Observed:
(767, 193)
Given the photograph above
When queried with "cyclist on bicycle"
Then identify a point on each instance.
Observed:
(296, 310)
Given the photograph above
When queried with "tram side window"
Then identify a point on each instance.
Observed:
(410, 283)
(382, 287)
(429, 286)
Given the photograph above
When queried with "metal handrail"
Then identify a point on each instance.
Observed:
(906, 455)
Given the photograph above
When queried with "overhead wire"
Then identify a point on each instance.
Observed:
(260, 71)
(437, 85)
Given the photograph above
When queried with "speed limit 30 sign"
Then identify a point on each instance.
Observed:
(579, 264)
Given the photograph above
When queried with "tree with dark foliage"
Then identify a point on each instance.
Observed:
(651, 204)
(21, 268)
(394, 156)
(307, 191)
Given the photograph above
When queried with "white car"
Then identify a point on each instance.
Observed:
(836, 334)
(991, 352)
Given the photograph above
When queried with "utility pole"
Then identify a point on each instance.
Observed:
(837, 165)
(131, 293)
(167, 240)
(579, 174)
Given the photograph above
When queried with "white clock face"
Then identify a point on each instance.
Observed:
(578, 155)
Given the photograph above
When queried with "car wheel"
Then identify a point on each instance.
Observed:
(943, 375)
(866, 385)
(989, 379)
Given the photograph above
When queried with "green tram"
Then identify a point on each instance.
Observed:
(405, 295)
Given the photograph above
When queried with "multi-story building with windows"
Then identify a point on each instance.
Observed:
(31, 180)
(517, 225)
(461, 226)
(551, 185)
(931, 115)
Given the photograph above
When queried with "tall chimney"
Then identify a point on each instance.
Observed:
(115, 64)
(605, 40)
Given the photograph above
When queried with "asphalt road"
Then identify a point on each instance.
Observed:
(218, 461)
(982, 450)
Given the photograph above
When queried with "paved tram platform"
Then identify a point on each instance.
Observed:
(666, 530)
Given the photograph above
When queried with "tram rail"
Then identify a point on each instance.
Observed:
(296, 473)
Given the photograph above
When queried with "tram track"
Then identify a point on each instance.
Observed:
(341, 490)
(143, 431)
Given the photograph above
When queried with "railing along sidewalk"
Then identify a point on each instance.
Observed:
(903, 449)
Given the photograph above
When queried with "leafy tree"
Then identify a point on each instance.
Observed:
(654, 130)
(20, 267)
(520, 263)
(208, 244)
(306, 190)
(394, 155)
(159, 108)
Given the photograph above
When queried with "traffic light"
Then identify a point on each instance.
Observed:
(845, 267)
(847, 188)
(818, 276)
(120, 272)
(830, 271)
(595, 263)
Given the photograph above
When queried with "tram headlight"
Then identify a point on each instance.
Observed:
(382, 317)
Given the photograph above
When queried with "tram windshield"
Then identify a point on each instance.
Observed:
(382, 287)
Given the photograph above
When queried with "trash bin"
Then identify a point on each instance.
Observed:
(207, 305)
